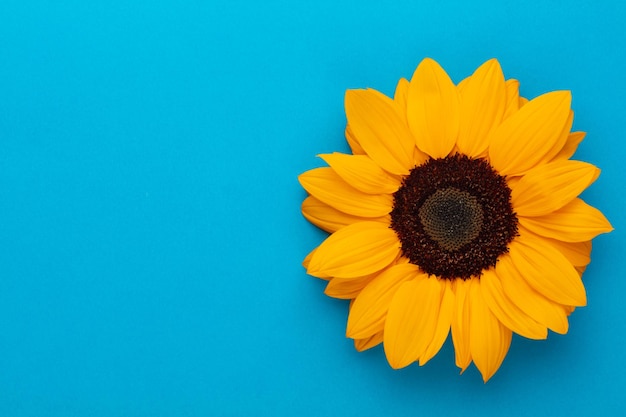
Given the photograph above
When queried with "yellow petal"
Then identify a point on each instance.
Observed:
(433, 109)
(400, 101)
(577, 253)
(569, 309)
(565, 132)
(535, 305)
(307, 261)
(512, 98)
(380, 130)
(400, 98)
(402, 92)
(353, 142)
(347, 289)
(571, 144)
(411, 321)
(461, 324)
(443, 324)
(489, 339)
(367, 315)
(525, 138)
(362, 173)
(356, 250)
(483, 100)
(575, 222)
(547, 270)
(507, 312)
(369, 342)
(329, 219)
(549, 187)
(512, 181)
(419, 157)
(325, 185)
(522, 102)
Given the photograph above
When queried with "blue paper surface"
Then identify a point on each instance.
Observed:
(149, 208)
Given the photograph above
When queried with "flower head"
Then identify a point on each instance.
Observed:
(457, 210)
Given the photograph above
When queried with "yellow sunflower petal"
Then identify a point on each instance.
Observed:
(328, 187)
(347, 289)
(356, 250)
(512, 181)
(483, 100)
(547, 270)
(532, 303)
(460, 325)
(571, 144)
(367, 315)
(380, 130)
(562, 139)
(329, 219)
(525, 138)
(506, 311)
(512, 98)
(433, 109)
(522, 102)
(307, 261)
(402, 91)
(353, 142)
(577, 253)
(489, 339)
(575, 222)
(443, 324)
(400, 97)
(419, 157)
(400, 100)
(549, 187)
(362, 173)
(411, 321)
(368, 342)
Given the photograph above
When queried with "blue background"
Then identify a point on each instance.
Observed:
(149, 208)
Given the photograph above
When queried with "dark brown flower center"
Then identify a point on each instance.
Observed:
(454, 217)
(451, 217)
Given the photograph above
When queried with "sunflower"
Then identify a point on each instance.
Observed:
(457, 212)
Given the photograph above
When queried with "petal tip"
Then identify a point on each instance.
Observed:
(565, 95)
(493, 63)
